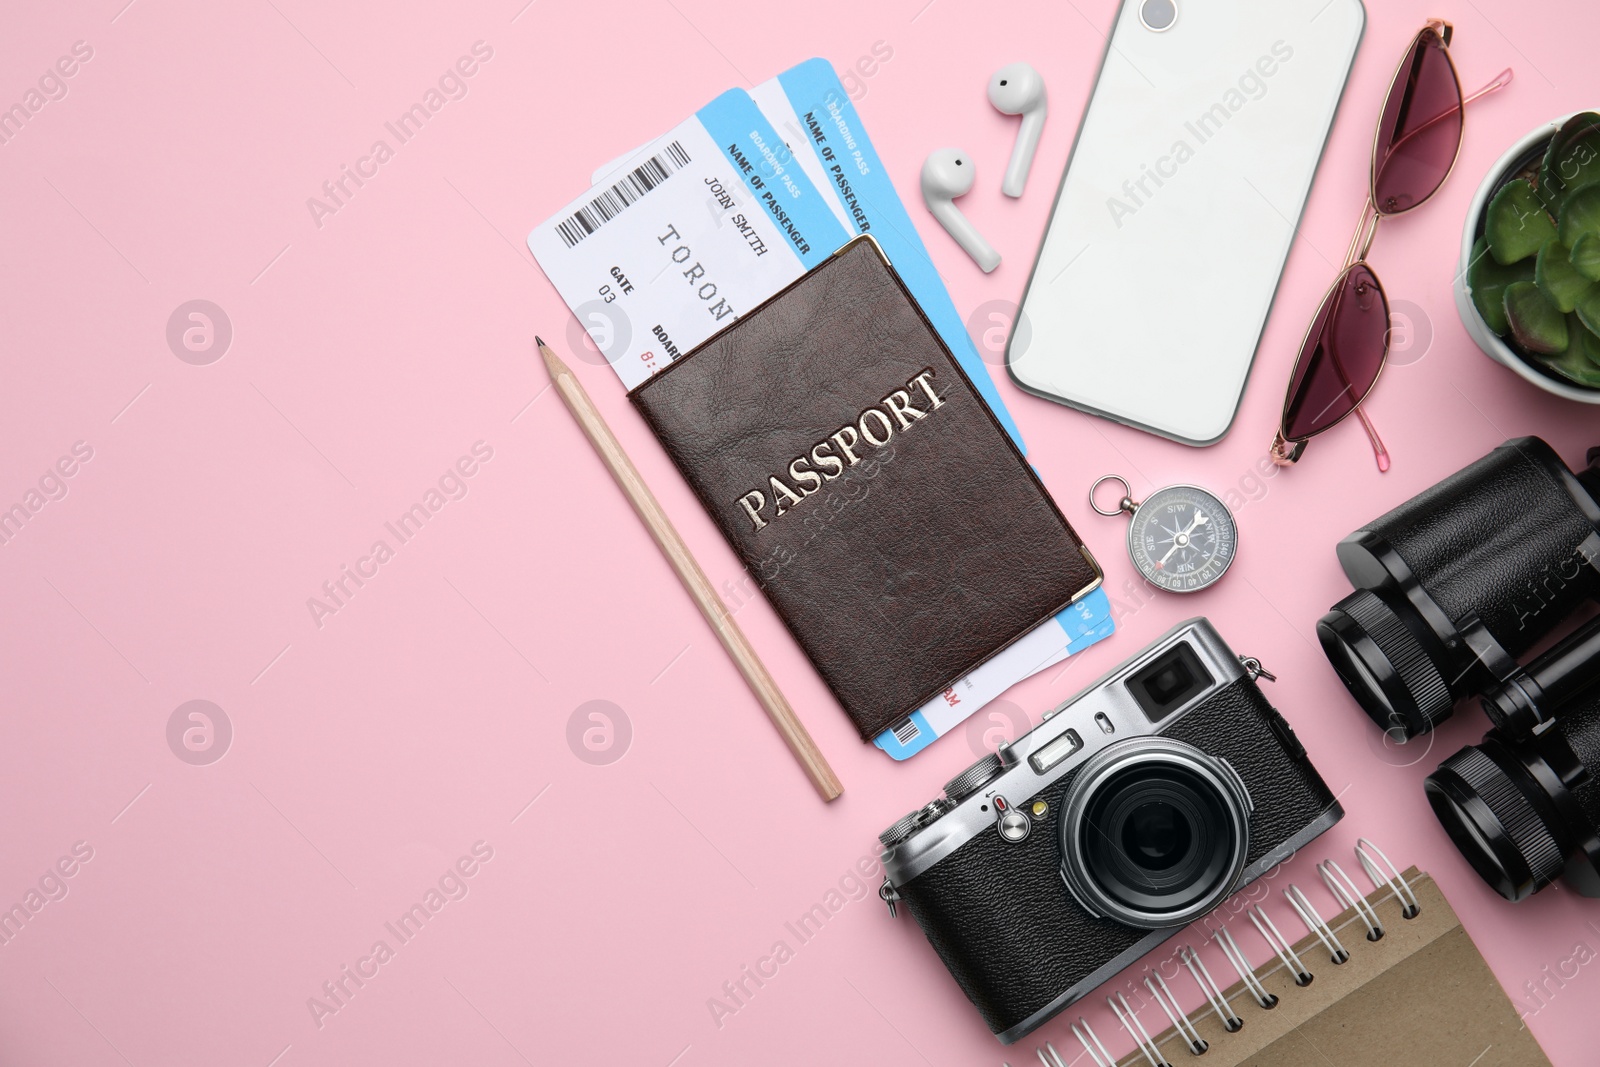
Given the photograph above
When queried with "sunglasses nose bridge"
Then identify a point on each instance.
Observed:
(1366, 233)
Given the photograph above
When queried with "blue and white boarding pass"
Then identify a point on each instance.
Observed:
(1082, 624)
(710, 220)
(810, 107)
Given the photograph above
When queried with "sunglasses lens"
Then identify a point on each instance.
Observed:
(1342, 356)
(1420, 130)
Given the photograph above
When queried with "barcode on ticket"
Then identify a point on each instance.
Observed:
(609, 204)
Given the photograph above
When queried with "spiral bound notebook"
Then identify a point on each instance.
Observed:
(1393, 979)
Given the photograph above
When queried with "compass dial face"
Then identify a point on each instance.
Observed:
(1182, 538)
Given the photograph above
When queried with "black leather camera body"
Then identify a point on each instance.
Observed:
(1133, 809)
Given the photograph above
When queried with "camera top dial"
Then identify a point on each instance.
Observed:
(903, 828)
(975, 777)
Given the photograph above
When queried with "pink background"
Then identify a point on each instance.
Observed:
(368, 354)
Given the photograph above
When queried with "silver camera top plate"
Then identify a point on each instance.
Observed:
(1021, 781)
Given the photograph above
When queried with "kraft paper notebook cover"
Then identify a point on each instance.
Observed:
(853, 467)
(1421, 995)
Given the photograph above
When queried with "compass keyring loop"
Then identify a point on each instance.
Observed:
(1127, 503)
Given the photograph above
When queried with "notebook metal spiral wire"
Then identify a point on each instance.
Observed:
(1378, 868)
(1281, 946)
(1208, 985)
(1247, 974)
(1316, 924)
(1169, 1004)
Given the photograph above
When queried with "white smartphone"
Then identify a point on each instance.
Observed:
(1180, 201)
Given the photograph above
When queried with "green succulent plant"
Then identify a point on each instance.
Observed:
(1535, 272)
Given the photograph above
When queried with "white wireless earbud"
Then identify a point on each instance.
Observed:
(1017, 89)
(946, 175)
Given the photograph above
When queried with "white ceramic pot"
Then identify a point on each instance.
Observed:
(1492, 345)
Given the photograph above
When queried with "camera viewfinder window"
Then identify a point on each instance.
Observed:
(1170, 682)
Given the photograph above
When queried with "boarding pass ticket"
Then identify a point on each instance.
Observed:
(712, 219)
(810, 109)
(744, 197)
(1084, 623)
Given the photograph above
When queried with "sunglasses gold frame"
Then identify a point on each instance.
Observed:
(1286, 451)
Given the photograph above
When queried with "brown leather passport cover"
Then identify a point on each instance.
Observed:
(847, 458)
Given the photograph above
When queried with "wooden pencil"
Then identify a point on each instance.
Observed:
(693, 578)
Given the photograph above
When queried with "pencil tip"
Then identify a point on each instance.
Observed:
(538, 340)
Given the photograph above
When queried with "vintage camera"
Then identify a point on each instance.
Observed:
(1456, 583)
(1134, 808)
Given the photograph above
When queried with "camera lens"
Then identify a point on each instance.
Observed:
(1158, 834)
(1156, 837)
(1158, 15)
(1153, 833)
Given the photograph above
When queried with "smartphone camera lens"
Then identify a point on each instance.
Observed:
(1158, 15)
